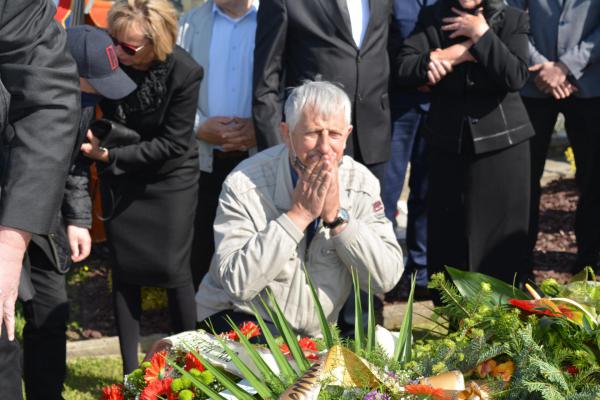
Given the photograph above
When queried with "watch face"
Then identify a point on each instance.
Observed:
(343, 214)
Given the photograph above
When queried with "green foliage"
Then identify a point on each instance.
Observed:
(402, 353)
(550, 287)
(290, 338)
(359, 333)
(19, 321)
(326, 329)
(154, 298)
(268, 376)
(541, 347)
(87, 376)
(469, 284)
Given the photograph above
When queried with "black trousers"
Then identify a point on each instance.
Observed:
(582, 123)
(44, 336)
(127, 303)
(478, 210)
(203, 245)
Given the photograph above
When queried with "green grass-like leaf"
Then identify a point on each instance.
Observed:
(359, 333)
(289, 337)
(261, 388)
(289, 374)
(371, 321)
(221, 377)
(402, 352)
(469, 285)
(268, 375)
(325, 328)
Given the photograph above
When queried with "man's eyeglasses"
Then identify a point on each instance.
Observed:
(127, 48)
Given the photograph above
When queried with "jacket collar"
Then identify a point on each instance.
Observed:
(283, 184)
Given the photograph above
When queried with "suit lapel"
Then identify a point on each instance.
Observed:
(333, 11)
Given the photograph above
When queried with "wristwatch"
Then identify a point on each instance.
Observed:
(342, 218)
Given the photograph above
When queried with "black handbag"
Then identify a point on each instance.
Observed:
(113, 134)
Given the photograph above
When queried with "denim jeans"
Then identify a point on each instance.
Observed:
(409, 146)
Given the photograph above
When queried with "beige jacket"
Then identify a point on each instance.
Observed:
(258, 247)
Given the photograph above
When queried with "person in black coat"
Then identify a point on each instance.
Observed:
(43, 289)
(39, 112)
(149, 189)
(472, 56)
(325, 40)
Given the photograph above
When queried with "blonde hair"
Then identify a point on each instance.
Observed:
(156, 18)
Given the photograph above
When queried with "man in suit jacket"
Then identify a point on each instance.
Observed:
(565, 60)
(220, 37)
(342, 41)
(36, 145)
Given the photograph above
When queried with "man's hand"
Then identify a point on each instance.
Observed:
(13, 243)
(310, 192)
(566, 89)
(241, 137)
(437, 71)
(550, 75)
(80, 242)
(213, 130)
(465, 24)
(331, 205)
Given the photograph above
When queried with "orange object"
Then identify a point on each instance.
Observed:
(98, 233)
(98, 15)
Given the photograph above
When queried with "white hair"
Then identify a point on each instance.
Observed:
(325, 98)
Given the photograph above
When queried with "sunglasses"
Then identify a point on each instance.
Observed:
(127, 48)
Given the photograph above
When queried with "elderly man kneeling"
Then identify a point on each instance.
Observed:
(301, 204)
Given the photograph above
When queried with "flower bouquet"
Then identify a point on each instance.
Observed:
(489, 340)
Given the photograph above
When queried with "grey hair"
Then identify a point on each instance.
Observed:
(324, 97)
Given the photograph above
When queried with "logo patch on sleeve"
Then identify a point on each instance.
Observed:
(377, 206)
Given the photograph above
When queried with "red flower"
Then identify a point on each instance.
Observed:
(284, 349)
(112, 392)
(535, 307)
(231, 335)
(250, 329)
(426, 390)
(307, 344)
(192, 362)
(158, 388)
(158, 367)
(572, 370)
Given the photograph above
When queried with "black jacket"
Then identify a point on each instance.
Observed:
(482, 97)
(310, 39)
(36, 144)
(166, 98)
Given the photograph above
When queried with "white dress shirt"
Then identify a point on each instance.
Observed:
(359, 19)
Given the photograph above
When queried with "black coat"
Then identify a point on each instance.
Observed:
(37, 143)
(150, 188)
(309, 39)
(484, 95)
(167, 132)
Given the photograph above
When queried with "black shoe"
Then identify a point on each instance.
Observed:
(401, 291)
